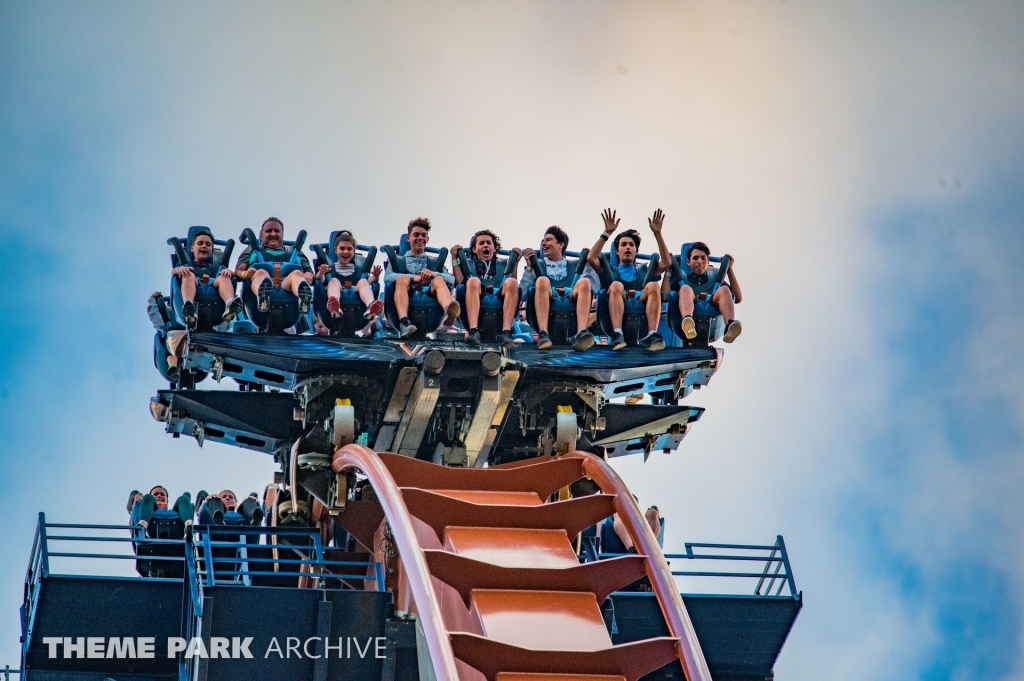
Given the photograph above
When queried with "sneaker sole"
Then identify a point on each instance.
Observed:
(584, 344)
(619, 346)
(451, 313)
(544, 345)
(376, 307)
(689, 329)
(729, 336)
(409, 331)
(654, 347)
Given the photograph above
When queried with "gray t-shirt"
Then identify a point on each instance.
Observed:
(414, 264)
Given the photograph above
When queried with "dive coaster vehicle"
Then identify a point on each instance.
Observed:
(442, 512)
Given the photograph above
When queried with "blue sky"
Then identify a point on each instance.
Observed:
(860, 160)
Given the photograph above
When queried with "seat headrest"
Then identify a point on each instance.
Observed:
(195, 230)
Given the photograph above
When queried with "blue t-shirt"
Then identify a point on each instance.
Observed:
(627, 272)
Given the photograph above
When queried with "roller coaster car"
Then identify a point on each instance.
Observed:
(209, 305)
(352, 308)
(634, 317)
(562, 315)
(424, 310)
(284, 307)
(706, 315)
(491, 304)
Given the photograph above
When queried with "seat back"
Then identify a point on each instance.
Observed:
(352, 307)
(209, 305)
(284, 306)
(562, 311)
(634, 316)
(165, 524)
(424, 310)
(492, 306)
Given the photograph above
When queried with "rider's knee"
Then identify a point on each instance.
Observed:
(402, 281)
(616, 288)
(652, 288)
(583, 286)
(473, 285)
(510, 285)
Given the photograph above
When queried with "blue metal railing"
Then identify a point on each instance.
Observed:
(775, 574)
(304, 556)
(305, 543)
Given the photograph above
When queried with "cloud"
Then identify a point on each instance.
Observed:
(871, 410)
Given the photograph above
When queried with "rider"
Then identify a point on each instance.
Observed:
(698, 283)
(299, 283)
(553, 246)
(202, 264)
(625, 246)
(345, 270)
(417, 272)
(485, 264)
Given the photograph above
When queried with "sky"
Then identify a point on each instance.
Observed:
(862, 161)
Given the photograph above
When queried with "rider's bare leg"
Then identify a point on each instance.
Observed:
(510, 302)
(188, 287)
(723, 299)
(402, 295)
(226, 288)
(439, 287)
(365, 292)
(473, 291)
(652, 297)
(292, 281)
(583, 297)
(542, 302)
(616, 303)
(686, 299)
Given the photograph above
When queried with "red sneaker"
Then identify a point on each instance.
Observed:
(376, 307)
(334, 306)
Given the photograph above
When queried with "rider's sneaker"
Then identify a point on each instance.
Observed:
(173, 373)
(376, 307)
(406, 327)
(188, 311)
(451, 313)
(305, 297)
(653, 341)
(618, 341)
(263, 294)
(506, 339)
(583, 340)
(732, 330)
(473, 340)
(334, 306)
(234, 309)
(689, 328)
(543, 340)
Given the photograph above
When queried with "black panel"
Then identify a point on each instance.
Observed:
(741, 636)
(106, 607)
(263, 413)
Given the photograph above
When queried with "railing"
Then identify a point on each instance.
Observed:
(775, 572)
(299, 553)
(289, 560)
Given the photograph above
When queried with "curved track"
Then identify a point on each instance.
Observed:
(486, 562)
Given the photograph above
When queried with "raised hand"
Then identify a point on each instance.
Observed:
(657, 221)
(611, 223)
(322, 271)
(376, 270)
(527, 254)
(456, 248)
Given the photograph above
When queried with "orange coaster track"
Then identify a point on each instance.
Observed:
(486, 562)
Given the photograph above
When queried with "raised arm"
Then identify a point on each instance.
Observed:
(737, 294)
(656, 224)
(456, 270)
(611, 223)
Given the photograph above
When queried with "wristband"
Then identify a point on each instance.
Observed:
(605, 235)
